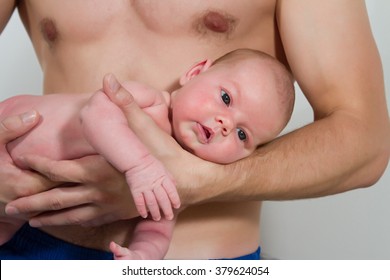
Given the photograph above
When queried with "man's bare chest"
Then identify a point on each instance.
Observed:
(91, 20)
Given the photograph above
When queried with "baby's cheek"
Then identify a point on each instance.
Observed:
(236, 152)
(223, 154)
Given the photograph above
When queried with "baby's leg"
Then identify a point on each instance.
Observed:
(151, 241)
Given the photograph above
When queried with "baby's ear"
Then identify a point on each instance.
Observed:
(195, 70)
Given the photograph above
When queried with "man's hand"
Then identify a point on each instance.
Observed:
(93, 193)
(14, 182)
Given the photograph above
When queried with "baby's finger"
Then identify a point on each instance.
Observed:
(152, 205)
(170, 189)
(140, 204)
(164, 202)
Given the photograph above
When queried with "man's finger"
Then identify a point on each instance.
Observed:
(114, 90)
(74, 171)
(49, 168)
(52, 200)
(137, 119)
(126, 102)
(73, 216)
(15, 126)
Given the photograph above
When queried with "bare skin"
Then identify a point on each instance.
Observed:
(140, 40)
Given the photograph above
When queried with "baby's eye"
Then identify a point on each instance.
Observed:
(241, 134)
(225, 97)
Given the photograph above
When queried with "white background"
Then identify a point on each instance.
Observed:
(353, 225)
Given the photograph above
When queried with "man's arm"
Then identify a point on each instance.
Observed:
(7, 8)
(335, 61)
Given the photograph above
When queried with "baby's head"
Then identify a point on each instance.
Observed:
(227, 108)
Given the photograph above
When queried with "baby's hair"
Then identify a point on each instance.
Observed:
(284, 80)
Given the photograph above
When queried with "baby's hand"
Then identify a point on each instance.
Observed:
(153, 188)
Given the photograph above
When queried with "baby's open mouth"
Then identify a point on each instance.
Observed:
(206, 133)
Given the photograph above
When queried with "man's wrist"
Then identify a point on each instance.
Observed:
(202, 183)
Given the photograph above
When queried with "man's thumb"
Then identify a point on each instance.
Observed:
(114, 90)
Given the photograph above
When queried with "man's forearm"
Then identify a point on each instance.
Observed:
(329, 156)
(7, 8)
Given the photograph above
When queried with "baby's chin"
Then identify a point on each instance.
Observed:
(212, 157)
(188, 148)
(200, 150)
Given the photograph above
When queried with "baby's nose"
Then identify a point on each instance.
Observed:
(226, 124)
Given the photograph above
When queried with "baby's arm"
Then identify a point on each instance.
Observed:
(105, 128)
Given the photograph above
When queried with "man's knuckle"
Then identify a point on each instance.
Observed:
(53, 176)
(55, 204)
(75, 220)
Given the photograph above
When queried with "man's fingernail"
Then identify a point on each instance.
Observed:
(29, 117)
(34, 223)
(10, 210)
(113, 83)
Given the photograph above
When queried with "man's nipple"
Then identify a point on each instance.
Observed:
(49, 30)
(217, 22)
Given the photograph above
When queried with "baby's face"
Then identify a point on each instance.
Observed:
(224, 113)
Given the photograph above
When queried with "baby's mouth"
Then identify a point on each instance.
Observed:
(206, 133)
